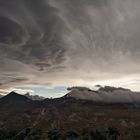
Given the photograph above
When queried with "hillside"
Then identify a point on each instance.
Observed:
(70, 117)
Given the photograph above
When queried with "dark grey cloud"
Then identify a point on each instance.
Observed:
(30, 32)
(11, 32)
(68, 41)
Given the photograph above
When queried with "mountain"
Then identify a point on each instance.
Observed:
(105, 94)
(1, 96)
(13, 97)
(32, 97)
(72, 114)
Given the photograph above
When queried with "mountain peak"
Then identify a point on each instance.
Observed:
(14, 97)
(13, 93)
(105, 94)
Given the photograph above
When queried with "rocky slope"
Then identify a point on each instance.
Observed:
(68, 114)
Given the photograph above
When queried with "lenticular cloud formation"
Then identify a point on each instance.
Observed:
(105, 95)
(66, 42)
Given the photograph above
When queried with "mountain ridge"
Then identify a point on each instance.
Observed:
(105, 94)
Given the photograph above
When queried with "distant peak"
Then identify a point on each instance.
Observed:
(104, 94)
(13, 93)
(13, 96)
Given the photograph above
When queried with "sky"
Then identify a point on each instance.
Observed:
(55, 44)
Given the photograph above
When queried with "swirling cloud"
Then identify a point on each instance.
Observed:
(62, 42)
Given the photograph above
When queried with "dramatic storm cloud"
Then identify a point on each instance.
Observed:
(69, 42)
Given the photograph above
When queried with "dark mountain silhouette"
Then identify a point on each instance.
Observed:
(13, 98)
(1, 96)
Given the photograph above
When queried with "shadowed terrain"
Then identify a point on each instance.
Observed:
(66, 114)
